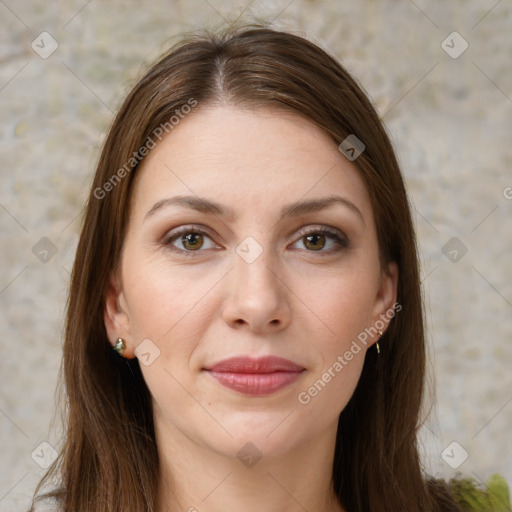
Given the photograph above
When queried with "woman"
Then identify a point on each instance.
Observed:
(244, 326)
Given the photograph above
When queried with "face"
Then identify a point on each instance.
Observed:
(251, 265)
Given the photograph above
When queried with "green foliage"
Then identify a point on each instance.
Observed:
(472, 497)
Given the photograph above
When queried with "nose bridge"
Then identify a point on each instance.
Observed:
(256, 295)
(255, 266)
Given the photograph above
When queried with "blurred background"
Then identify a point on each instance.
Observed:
(440, 76)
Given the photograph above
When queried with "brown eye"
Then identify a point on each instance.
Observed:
(192, 241)
(189, 240)
(315, 242)
(323, 240)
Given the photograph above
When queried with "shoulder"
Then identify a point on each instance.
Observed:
(46, 505)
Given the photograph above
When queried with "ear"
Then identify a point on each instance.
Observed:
(116, 315)
(385, 299)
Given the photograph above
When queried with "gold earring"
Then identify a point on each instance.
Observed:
(120, 346)
(377, 344)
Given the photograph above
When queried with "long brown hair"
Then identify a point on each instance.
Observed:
(109, 459)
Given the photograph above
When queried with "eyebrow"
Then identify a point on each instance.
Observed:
(291, 210)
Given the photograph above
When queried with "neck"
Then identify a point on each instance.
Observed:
(195, 478)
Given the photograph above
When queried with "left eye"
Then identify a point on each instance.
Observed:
(315, 239)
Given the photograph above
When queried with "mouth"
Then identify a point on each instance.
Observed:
(256, 377)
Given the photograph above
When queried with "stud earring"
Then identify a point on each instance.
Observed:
(377, 344)
(120, 346)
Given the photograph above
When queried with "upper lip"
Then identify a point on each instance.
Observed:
(245, 364)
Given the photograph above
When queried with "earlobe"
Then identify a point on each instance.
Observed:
(116, 317)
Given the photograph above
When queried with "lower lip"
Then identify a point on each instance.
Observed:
(256, 384)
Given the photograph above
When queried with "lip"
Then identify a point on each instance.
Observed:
(255, 376)
(245, 364)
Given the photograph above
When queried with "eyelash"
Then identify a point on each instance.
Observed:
(340, 240)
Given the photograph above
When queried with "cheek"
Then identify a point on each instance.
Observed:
(161, 294)
(328, 391)
(170, 305)
(345, 306)
(173, 307)
(343, 302)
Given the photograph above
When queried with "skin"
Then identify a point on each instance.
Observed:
(292, 301)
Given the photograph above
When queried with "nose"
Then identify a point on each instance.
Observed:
(257, 297)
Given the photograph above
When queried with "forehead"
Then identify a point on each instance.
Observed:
(253, 160)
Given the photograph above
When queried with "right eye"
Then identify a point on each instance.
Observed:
(190, 238)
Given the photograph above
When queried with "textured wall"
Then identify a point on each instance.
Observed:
(449, 114)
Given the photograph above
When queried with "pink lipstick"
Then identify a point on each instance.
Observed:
(257, 377)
